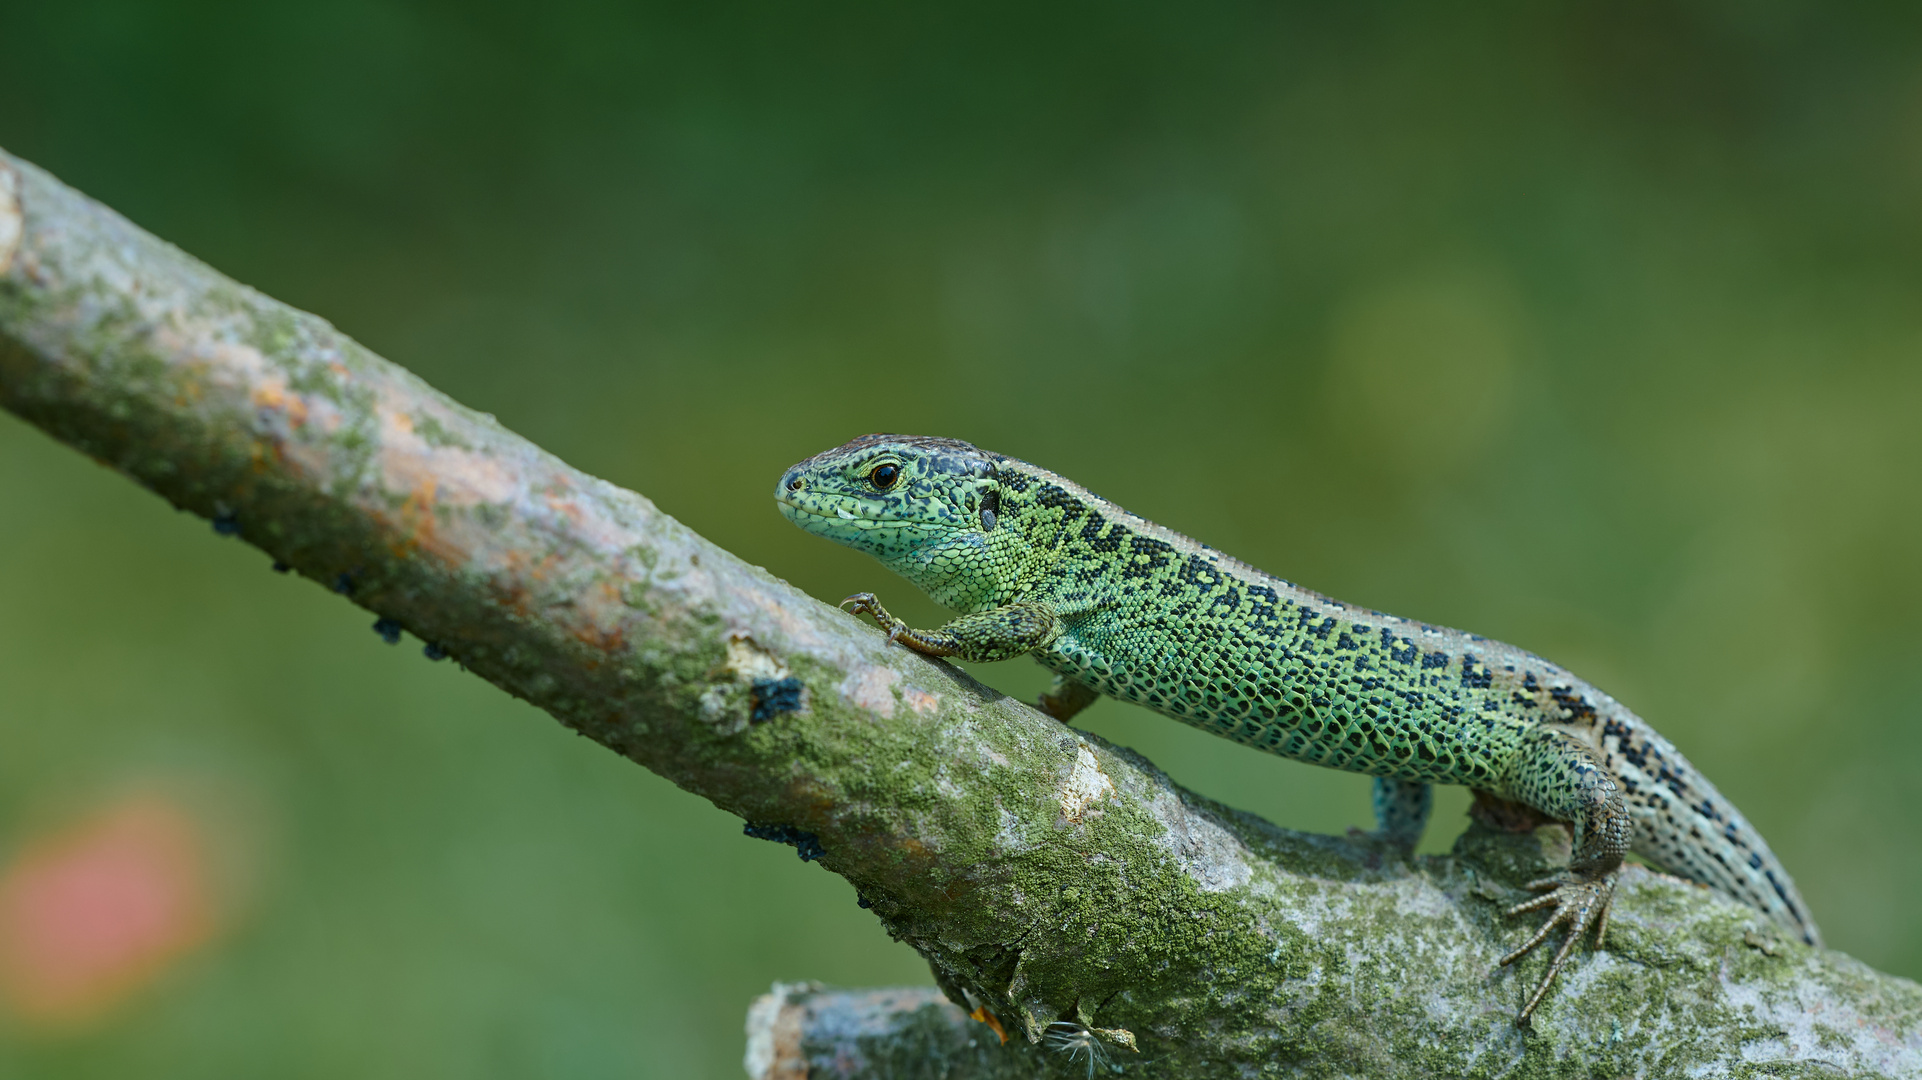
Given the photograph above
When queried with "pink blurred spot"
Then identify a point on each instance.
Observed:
(94, 912)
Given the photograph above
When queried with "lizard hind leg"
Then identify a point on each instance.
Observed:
(1560, 778)
(1401, 810)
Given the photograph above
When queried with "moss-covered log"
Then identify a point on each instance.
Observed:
(1049, 877)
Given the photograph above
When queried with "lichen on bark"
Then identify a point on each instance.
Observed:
(1053, 881)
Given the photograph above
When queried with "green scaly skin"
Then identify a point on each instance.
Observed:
(1118, 605)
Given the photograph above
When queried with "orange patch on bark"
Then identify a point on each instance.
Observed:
(565, 507)
(598, 618)
(603, 638)
(416, 521)
(273, 395)
(96, 911)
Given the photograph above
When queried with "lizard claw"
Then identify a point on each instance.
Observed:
(866, 603)
(1576, 901)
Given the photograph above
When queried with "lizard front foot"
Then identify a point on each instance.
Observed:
(865, 603)
(1577, 901)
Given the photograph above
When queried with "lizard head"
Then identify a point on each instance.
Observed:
(927, 508)
(892, 495)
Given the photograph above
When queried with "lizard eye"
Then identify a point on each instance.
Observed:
(884, 476)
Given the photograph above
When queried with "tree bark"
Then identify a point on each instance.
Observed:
(1049, 877)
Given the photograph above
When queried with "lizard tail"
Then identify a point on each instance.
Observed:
(1685, 827)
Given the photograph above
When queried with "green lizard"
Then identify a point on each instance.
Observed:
(1117, 605)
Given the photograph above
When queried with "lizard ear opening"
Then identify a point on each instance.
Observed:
(990, 507)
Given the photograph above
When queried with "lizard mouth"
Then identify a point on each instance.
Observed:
(838, 514)
(831, 522)
(841, 520)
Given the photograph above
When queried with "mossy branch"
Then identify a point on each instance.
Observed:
(1048, 876)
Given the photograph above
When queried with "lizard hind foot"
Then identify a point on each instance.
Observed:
(1577, 901)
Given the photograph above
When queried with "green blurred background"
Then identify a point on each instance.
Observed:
(1594, 327)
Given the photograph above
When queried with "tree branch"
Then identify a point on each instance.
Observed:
(1046, 875)
(803, 1031)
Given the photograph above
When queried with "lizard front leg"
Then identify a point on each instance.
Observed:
(1559, 777)
(1000, 633)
